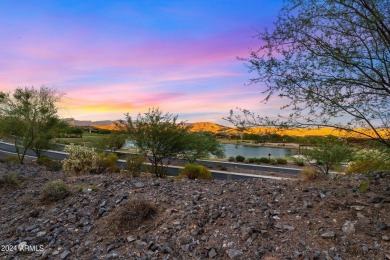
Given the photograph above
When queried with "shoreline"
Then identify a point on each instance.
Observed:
(248, 143)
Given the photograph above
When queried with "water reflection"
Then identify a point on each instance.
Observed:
(256, 151)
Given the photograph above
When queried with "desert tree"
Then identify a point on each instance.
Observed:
(330, 61)
(27, 116)
(327, 153)
(116, 140)
(47, 131)
(157, 135)
(201, 146)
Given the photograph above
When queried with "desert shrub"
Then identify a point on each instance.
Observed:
(264, 160)
(240, 158)
(195, 171)
(10, 180)
(55, 191)
(107, 163)
(363, 187)
(11, 161)
(133, 214)
(327, 153)
(251, 160)
(370, 154)
(367, 166)
(82, 160)
(43, 160)
(49, 164)
(273, 162)
(299, 161)
(231, 159)
(281, 161)
(257, 160)
(134, 164)
(308, 173)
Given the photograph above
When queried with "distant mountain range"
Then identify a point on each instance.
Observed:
(112, 125)
(220, 129)
(74, 122)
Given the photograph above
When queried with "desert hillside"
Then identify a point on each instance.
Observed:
(211, 127)
(110, 217)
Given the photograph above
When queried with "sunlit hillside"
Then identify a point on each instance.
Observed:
(318, 132)
(215, 128)
(296, 131)
(225, 130)
(111, 126)
(210, 127)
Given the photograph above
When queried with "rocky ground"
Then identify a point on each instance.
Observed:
(246, 219)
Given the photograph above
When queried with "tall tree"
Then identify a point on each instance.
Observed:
(27, 116)
(200, 146)
(157, 135)
(47, 131)
(330, 59)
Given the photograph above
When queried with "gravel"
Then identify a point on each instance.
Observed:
(197, 219)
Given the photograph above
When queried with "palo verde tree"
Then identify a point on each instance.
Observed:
(27, 116)
(327, 153)
(200, 146)
(157, 135)
(47, 131)
(116, 140)
(330, 60)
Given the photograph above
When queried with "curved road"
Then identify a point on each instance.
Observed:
(173, 170)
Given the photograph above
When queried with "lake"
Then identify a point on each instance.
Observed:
(246, 151)
(256, 151)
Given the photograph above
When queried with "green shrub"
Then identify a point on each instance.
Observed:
(11, 161)
(134, 164)
(251, 160)
(281, 161)
(273, 162)
(10, 180)
(232, 159)
(299, 161)
(257, 160)
(49, 164)
(264, 160)
(55, 191)
(327, 153)
(43, 160)
(366, 166)
(240, 158)
(371, 154)
(82, 160)
(107, 163)
(363, 187)
(195, 171)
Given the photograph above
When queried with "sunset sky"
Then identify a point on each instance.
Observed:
(113, 57)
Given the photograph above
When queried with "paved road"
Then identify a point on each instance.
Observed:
(174, 170)
(262, 168)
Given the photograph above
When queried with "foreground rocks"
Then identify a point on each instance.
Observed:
(246, 219)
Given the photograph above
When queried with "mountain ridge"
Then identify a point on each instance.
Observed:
(225, 130)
